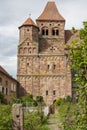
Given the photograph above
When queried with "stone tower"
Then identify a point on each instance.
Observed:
(43, 68)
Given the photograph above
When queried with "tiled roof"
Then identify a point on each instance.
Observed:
(3, 70)
(70, 36)
(6, 73)
(51, 13)
(29, 21)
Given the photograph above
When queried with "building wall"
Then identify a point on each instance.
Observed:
(45, 73)
(43, 66)
(8, 87)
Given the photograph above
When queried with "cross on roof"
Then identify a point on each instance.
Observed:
(52, 48)
(29, 15)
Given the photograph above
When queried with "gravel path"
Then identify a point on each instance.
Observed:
(53, 123)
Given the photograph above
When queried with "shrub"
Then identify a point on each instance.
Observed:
(5, 117)
(35, 121)
(59, 101)
(39, 99)
(68, 99)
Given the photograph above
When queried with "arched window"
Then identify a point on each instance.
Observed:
(27, 43)
(25, 50)
(34, 50)
(55, 31)
(45, 31)
(20, 51)
(30, 50)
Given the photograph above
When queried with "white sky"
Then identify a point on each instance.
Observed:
(14, 12)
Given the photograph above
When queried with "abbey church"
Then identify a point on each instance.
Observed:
(43, 65)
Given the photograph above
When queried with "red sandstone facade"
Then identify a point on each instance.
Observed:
(8, 85)
(43, 67)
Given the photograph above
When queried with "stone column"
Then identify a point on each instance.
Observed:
(18, 117)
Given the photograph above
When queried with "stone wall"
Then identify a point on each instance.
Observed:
(43, 68)
(17, 117)
(8, 86)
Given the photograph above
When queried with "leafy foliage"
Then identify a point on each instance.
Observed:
(58, 102)
(32, 121)
(25, 100)
(35, 121)
(78, 58)
(39, 99)
(5, 117)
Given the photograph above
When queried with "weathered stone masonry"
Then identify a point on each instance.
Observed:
(43, 67)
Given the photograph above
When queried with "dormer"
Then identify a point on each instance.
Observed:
(28, 30)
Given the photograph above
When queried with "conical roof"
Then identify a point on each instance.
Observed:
(29, 22)
(51, 13)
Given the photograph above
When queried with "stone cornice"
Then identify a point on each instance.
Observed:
(38, 55)
(43, 75)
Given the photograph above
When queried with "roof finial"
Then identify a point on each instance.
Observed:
(29, 15)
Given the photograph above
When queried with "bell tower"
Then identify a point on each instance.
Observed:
(51, 25)
(43, 68)
(27, 51)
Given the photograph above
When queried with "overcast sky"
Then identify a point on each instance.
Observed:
(14, 12)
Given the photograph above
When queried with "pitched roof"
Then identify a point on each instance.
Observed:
(70, 36)
(30, 22)
(6, 73)
(3, 70)
(51, 13)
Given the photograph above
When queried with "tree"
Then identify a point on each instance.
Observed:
(78, 58)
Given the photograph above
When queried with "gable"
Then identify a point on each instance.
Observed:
(26, 42)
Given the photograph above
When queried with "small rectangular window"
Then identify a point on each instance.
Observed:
(2, 89)
(53, 32)
(46, 92)
(27, 64)
(6, 83)
(57, 32)
(0, 81)
(54, 92)
(43, 32)
(48, 67)
(6, 91)
(54, 67)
